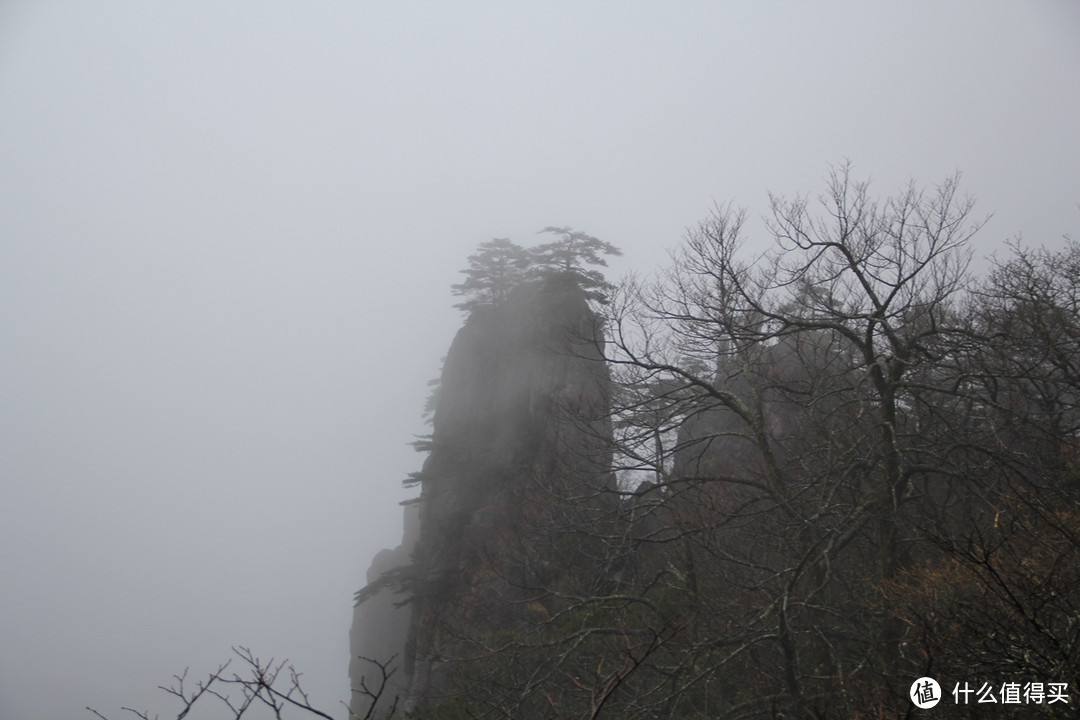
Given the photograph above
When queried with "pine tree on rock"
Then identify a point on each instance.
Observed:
(570, 253)
(494, 270)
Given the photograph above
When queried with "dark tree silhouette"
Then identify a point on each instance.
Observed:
(495, 269)
(265, 688)
(571, 253)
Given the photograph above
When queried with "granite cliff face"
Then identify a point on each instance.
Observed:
(521, 420)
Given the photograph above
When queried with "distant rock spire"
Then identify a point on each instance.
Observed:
(522, 412)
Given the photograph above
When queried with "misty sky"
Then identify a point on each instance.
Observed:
(228, 232)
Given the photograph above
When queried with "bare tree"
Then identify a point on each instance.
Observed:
(795, 377)
(262, 688)
(1002, 598)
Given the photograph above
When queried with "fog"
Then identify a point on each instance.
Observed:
(228, 234)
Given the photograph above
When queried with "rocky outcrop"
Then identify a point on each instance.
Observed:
(380, 628)
(522, 417)
(782, 387)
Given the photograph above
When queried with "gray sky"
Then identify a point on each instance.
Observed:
(228, 232)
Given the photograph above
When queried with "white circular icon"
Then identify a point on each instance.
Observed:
(925, 692)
